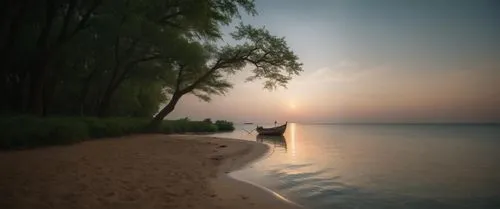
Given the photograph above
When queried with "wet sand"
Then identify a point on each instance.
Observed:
(142, 171)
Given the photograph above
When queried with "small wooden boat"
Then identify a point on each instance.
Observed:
(276, 131)
(248, 123)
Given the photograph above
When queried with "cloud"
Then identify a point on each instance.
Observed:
(343, 72)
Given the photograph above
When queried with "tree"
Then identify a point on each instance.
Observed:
(126, 57)
(158, 30)
(269, 56)
(93, 50)
(37, 31)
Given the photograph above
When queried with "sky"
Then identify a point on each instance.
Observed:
(387, 61)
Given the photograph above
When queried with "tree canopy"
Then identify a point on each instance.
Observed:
(127, 57)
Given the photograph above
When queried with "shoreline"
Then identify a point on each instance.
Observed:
(140, 171)
(226, 184)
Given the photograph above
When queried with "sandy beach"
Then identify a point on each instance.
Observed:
(142, 171)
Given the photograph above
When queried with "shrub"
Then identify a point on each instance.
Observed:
(223, 125)
(200, 126)
(26, 132)
(184, 126)
(19, 132)
(111, 127)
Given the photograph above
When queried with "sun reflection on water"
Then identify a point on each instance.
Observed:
(293, 150)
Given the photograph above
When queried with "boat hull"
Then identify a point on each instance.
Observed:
(276, 131)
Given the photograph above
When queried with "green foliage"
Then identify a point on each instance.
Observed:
(118, 58)
(20, 132)
(223, 125)
(186, 126)
(271, 58)
(113, 58)
(112, 127)
(27, 132)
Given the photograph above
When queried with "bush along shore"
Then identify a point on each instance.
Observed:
(22, 132)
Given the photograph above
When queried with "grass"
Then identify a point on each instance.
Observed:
(21, 132)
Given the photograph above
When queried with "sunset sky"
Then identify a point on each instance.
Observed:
(373, 61)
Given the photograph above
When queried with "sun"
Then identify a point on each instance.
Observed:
(291, 105)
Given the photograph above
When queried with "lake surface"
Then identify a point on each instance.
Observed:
(380, 166)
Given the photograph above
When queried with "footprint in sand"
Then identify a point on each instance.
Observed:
(217, 157)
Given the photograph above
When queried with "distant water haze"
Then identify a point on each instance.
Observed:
(381, 166)
(373, 61)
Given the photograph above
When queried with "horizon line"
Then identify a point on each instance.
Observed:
(384, 123)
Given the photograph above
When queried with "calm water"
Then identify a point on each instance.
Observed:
(381, 166)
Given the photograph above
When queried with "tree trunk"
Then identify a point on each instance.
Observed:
(116, 80)
(102, 109)
(85, 91)
(24, 89)
(10, 33)
(37, 84)
(103, 105)
(38, 69)
(105, 100)
(49, 89)
(165, 111)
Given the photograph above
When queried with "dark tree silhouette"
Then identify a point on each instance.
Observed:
(126, 57)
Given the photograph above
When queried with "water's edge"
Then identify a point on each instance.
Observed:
(271, 192)
(263, 156)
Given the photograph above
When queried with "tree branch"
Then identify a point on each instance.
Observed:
(117, 42)
(191, 87)
(169, 16)
(262, 58)
(67, 19)
(131, 48)
(82, 24)
(250, 52)
(145, 59)
(49, 19)
(255, 63)
(128, 68)
(171, 24)
(117, 51)
(179, 77)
